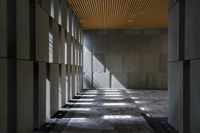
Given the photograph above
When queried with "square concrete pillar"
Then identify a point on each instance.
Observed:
(73, 81)
(23, 29)
(192, 29)
(56, 7)
(175, 85)
(3, 28)
(63, 84)
(55, 31)
(194, 96)
(54, 89)
(64, 13)
(70, 82)
(68, 48)
(176, 30)
(42, 94)
(70, 20)
(42, 35)
(3, 96)
(8, 94)
(73, 51)
(24, 96)
(66, 84)
(62, 47)
(172, 3)
(46, 5)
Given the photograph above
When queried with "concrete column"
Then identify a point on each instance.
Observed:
(73, 81)
(66, 85)
(3, 96)
(23, 29)
(68, 48)
(176, 70)
(64, 13)
(55, 30)
(41, 95)
(46, 5)
(187, 95)
(62, 50)
(192, 48)
(3, 28)
(24, 96)
(69, 81)
(54, 89)
(63, 85)
(56, 7)
(42, 34)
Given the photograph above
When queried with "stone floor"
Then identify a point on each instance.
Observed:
(112, 111)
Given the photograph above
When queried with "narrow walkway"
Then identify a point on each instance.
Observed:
(113, 111)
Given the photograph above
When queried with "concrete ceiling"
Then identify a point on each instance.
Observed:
(121, 14)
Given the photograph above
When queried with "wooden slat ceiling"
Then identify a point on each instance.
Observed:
(121, 14)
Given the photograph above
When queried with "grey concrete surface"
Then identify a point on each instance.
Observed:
(63, 81)
(55, 9)
(42, 93)
(174, 36)
(55, 31)
(129, 52)
(194, 94)
(54, 88)
(42, 35)
(24, 96)
(64, 13)
(32, 85)
(192, 29)
(23, 29)
(3, 28)
(172, 3)
(3, 95)
(46, 5)
(175, 82)
(62, 46)
(113, 110)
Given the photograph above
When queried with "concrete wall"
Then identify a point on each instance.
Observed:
(35, 46)
(184, 92)
(134, 59)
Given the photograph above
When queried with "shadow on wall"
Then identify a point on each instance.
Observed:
(126, 59)
(102, 77)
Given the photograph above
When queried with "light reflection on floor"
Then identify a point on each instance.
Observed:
(82, 100)
(110, 111)
(114, 104)
(117, 117)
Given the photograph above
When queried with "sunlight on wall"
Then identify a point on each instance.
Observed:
(101, 77)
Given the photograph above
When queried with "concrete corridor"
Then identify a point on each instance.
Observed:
(111, 111)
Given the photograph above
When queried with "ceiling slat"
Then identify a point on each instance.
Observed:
(121, 14)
